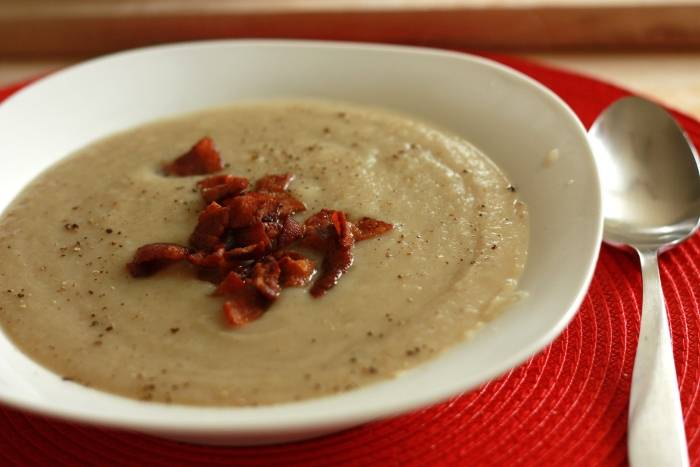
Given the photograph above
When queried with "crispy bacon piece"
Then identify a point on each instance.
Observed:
(281, 231)
(208, 260)
(295, 269)
(220, 187)
(367, 228)
(251, 235)
(288, 204)
(153, 257)
(242, 305)
(318, 230)
(213, 267)
(273, 229)
(341, 224)
(278, 182)
(210, 228)
(291, 232)
(241, 312)
(249, 242)
(290, 253)
(252, 207)
(266, 278)
(336, 263)
(246, 252)
(338, 255)
(233, 284)
(202, 158)
(215, 180)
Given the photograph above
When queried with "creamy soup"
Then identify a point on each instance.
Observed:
(451, 262)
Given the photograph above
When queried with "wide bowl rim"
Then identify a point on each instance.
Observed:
(225, 420)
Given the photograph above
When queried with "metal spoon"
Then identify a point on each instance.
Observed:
(651, 196)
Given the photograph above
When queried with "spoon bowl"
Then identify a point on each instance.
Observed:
(651, 202)
(650, 174)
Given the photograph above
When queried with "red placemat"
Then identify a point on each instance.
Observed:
(566, 406)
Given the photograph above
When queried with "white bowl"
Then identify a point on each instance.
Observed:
(513, 119)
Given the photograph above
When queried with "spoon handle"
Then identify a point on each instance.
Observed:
(655, 435)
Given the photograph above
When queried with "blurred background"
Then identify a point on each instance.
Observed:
(649, 46)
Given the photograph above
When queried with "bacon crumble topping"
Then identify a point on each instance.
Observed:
(151, 258)
(241, 238)
(274, 182)
(337, 253)
(201, 159)
(221, 187)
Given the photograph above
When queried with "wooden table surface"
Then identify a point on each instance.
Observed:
(672, 78)
(91, 27)
(35, 34)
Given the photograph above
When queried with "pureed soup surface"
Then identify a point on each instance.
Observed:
(452, 261)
